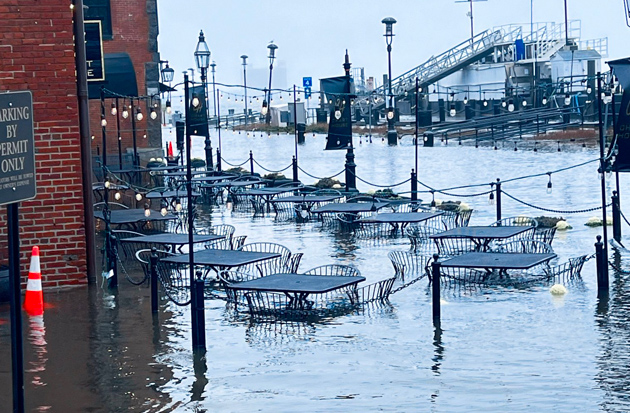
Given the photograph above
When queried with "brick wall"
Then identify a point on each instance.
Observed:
(37, 54)
(134, 26)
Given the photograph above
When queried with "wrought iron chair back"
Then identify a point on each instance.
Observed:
(544, 234)
(419, 237)
(229, 278)
(267, 267)
(515, 221)
(338, 270)
(408, 264)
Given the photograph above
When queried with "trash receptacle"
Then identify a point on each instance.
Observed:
(322, 115)
(428, 139)
(300, 132)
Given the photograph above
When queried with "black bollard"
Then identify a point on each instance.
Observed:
(442, 110)
(154, 281)
(498, 190)
(616, 217)
(295, 169)
(428, 139)
(197, 305)
(251, 162)
(112, 282)
(414, 186)
(435, 284)
(602, 265)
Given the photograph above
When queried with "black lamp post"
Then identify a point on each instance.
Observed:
(202, 58)
(244, 57)
(351, 181)
(392, 136)
(272, 55)
(566, 24)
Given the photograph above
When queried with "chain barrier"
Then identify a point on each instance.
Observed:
(235, 165)
(325, 177)
(380, 186)
(415, 280)
(556, 211)
(272, 171)
(623, 216)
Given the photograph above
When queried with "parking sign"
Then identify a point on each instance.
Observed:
(307, 82)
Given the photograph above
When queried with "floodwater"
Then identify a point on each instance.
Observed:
(499, 349)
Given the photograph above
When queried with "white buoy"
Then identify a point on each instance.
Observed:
(558, 289)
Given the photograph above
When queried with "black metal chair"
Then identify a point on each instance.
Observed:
(229, 278)
(174, 278)
(419, 237)
(515, 221)
(569, 270)
(238, 242)
(409, 264)
(267, 267)
(544, 234)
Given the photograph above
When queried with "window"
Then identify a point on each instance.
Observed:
(100, 10)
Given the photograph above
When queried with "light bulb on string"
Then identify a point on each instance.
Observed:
(163, 211)
(589, 89)
(153, 114)
(114, 110)
(567, 100)
(103, 121)
(139, 115)
(544, 100)
(147, 211)
(169, 109)
(107, 184)
(117, 196)
(503, 103)
(125, 112)
(510, 107)
(524, 103)
(138, 197)
(549, 184)
(178, 206)
(491, 197)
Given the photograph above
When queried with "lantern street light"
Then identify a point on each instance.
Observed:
(202, 58)
(272, 55)
(392, 136)
(167, 77)
(244, 57)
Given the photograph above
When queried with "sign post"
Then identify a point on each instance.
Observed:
(17, 183)
(307, 83)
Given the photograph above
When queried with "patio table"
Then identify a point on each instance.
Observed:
(482, 236)
(172, 240)
(297, 287)
(502, 262)
(133, 218)
(350, 207)
(219, 260)
(402, 218)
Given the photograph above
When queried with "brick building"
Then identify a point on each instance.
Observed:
(130, 30)
(37, 53)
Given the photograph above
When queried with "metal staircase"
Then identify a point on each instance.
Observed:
(438, 67)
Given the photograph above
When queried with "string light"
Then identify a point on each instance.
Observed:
(139, 114)
(138, 197)
(103, 121)
(117, 196)
(549, 184)
(153, 114)
(567, 100)
(544, 100)
(169, 109)
(125, 112)
(114, 110)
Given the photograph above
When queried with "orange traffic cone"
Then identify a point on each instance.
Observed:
(34, 300)
(170, 149)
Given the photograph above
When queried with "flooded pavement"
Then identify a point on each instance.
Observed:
(499, 348)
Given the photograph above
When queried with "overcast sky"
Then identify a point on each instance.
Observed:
(312, 36)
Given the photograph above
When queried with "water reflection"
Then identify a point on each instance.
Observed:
(200, 368)
(37, 339)
(438, 354)
(612, 314)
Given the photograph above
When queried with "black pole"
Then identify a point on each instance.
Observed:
(498, 189)
(17, 351)
(197, 323)
(616, 217)
(200, 331)
(112, 281)
(566, 24)
(392, 136)
(120, 163)
(602, 266)
(244, 57)
(154, 281)
(435, 287)
(207, 142)
(602, 167)
(350, 166)
(218, 109)
(136, 162)
(268, 116)
(251, 162)
(414, 186)
(295, 164)
(416, 140)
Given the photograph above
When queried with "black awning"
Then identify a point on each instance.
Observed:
(120, 78)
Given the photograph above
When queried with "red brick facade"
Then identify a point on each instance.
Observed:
(37, 54)
(134, 27)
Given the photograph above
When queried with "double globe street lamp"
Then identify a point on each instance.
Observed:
(202, 58)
